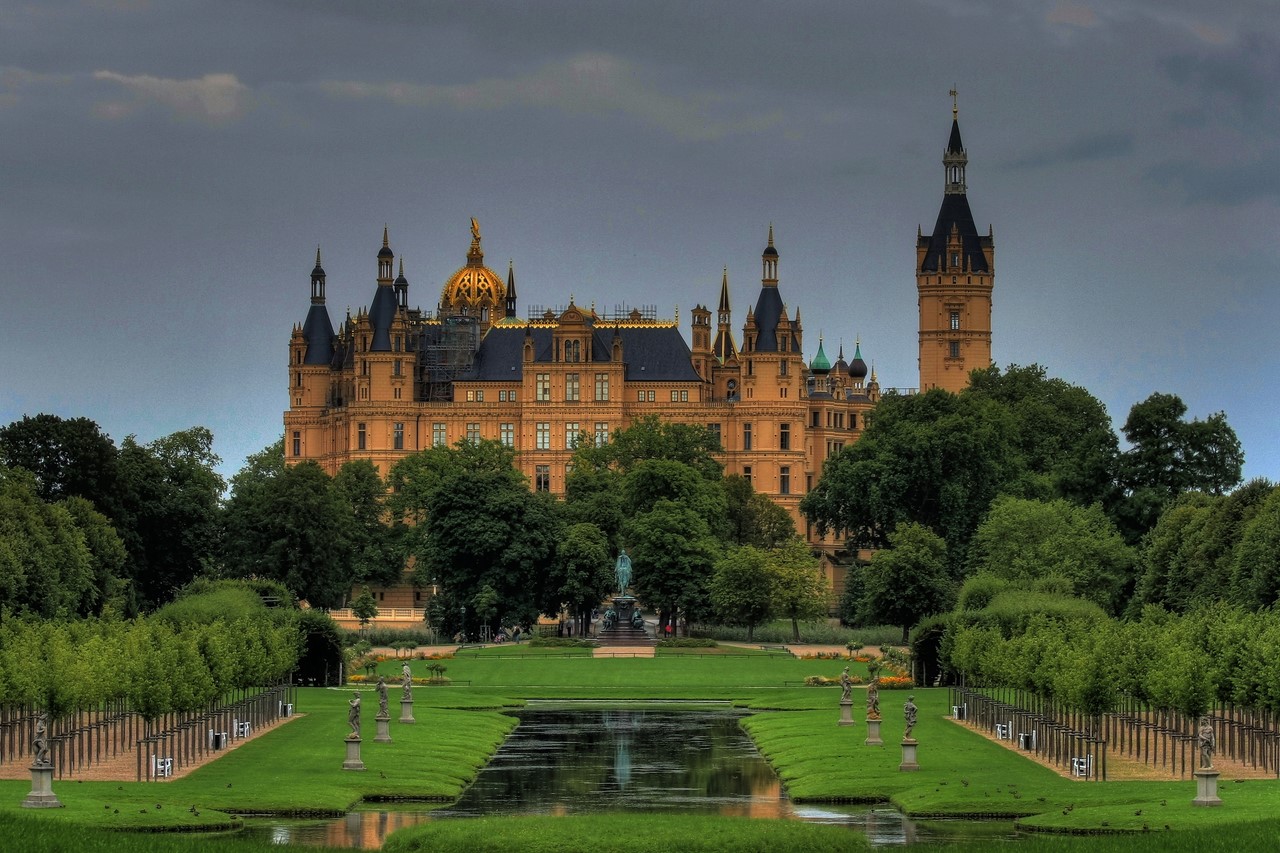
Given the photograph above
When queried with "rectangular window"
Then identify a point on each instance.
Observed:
(571, 387)
(653, 396)
(297, 443)
(746, 473)
(784, 480)
(955, 320)
(784, 437)
(602, 434)
(543, 431)
(543, 387)
(816, 422)
(639, 396)
(396, 368)
(439, 435)
(502, 396)
(480, 396)
(853, 420)
(602, 387)
(397, 436)
(508, 435)
(542, 478)
(746, 436)
(473, 432)
(684, 396)
(297, 380)
(782, 367)
(571, 436)
(955, 349)
(395, 392)
(675, 395)
(471, 396)
(360, 437)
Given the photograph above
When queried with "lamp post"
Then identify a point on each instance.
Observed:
(462, 628)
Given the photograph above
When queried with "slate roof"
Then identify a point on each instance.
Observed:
(768, 312)
(381, 312)
(651, 354)
(317, 330)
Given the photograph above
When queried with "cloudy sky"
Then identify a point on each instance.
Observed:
(167, 170)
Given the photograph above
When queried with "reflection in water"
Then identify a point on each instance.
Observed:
(563, 762)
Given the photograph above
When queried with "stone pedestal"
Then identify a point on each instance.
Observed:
(406, 711)
(909, 755)
(873, 733)
(353, 761)
(1206, 787)
(846, 713)
(384, 730)
(42, 796)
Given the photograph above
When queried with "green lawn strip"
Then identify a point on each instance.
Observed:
(1166, 804)
(686, 673)
(633, 832)
(298, 767)
(35, 833)
(114, 806)
(964, 774)
(1233, 838)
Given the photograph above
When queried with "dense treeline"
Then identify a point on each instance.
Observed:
(1021, 476)
(89, 529)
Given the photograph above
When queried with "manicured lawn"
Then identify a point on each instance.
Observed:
(297, 767)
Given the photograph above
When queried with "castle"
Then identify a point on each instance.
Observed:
(393, 380)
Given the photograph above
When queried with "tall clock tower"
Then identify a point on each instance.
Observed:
(955, 272)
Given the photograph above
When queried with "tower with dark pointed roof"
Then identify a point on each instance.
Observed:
(955, 273)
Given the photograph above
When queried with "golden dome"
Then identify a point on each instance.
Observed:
(474, 287)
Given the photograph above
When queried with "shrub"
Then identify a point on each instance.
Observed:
(688, 643)
(562, 643)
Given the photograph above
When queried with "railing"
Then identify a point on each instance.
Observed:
(385, 614)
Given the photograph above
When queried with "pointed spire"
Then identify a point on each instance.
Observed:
(510, 308)
(724, 296)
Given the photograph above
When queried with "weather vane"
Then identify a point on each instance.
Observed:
(955, 106)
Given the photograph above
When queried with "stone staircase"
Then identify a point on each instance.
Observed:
(624, 635)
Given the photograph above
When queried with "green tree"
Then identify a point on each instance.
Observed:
(673, 552)
(107, 554)
(171, 493)
(67, 456)
(365, 607)
(909, 580)
(583, 573)
(376, 553)
(1257, 560)
(741, 588)
(1063, 433)
(1027, 540)
(798, 589)
(754, 519)
(291, 528)
(474, 522)
(936, 459)
(45, 566)
(1169, 456)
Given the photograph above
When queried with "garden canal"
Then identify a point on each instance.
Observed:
(570, 758)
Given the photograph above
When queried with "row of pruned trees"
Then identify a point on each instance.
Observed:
(64, 667)
(1087, 662)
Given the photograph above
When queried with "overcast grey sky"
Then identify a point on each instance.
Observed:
(167, 170)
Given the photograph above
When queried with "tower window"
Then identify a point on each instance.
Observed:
(360, 437)
(746, 436)
(397, 436)
(784, 437)
(746, 473)
(955, 320)
(784, 480)
(297, 443)
(954, 349)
